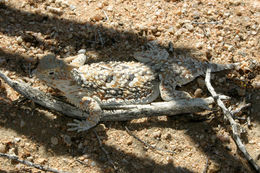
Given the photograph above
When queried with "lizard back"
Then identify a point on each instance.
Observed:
(116, 83)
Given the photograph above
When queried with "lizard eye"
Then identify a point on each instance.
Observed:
(51, 73)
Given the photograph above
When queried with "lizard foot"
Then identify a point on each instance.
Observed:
(80, 126)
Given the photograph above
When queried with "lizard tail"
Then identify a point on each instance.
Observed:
(220, 67)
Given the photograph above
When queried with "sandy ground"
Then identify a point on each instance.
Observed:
(219, 31)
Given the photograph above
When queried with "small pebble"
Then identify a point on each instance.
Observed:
(100, 128)
(72, 7)
(198, 92)
(201, 82)
(82, 51)
(93, 163)
(156, 134)
(54, 140)
(256, 82)
(129, 141)
(97, 17)
(213, 167)
(19, 39)
(196, 15)
(54, 10)
(189, 26)
(30, 158)
(80, 146)
(171, 30)
(17, 140)
(2, 148)
(199, 45)
(41, 160)
(67, 140)
(110, 8)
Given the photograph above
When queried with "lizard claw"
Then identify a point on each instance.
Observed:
(80, 126)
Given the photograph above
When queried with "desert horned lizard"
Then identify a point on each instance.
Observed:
(92, 87)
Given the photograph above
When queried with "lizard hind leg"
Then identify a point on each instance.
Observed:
(169, 93)
(92, 120)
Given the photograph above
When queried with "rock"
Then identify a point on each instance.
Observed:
(93, 163)
(30, 158)
(54, 141)
(156, 134)
(201, 82)
(213, 168)
(199, 45)
(41, 160)
(17, 140)
(129, 141)
(171, 30)
(97, 17)
(198, 92)
(67, 140)
(256, 82)
(72, 7)
(19, 39)
(80, 146)
(100, 128)
(180, 32)
(2, 148)
(196, 15)
(189, 26)
(82, 51)
(54, 10)
(110, 8)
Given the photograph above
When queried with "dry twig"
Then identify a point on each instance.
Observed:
(234, 125)
(205, 170)
(28, 163)
(105, 151)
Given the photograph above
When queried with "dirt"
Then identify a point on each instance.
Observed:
(218, 31)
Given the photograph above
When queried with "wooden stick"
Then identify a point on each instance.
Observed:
(111, 113)
(31, 164)
(234, 125)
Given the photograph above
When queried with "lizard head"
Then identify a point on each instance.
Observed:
(53, 70)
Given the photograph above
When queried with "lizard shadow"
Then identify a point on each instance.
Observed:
(43, 127)
(20, 23)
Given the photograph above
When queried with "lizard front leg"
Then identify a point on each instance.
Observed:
(95, 112)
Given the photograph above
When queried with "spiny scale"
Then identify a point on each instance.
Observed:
(117, 82)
